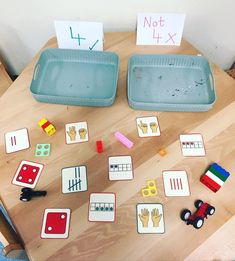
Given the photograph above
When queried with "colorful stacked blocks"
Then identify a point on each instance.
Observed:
(215, 177)
(47, 126)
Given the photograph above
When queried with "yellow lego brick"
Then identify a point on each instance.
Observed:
(47, 126)
(50, 130)
(42, 121)
(150, 190)
(145, 192)
(151, 183)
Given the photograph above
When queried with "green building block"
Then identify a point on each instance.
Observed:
(43, 150)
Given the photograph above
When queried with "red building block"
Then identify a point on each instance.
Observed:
(99, 146)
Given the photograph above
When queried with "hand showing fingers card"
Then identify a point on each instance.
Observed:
(150, 218)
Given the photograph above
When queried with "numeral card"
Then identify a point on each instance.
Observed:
(102, 207)
(150, 218)
(17, 140)
(176, 183)
(148, 127)
(192, 145)
(76, 132)
(120, 168)
(55, 223)
(27, 174)
(74, 179)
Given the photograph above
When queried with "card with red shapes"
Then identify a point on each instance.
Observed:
(17, 140)
(192, 145)
(56, 223)
(27, 174)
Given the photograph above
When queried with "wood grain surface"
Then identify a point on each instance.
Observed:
(5, 80)
(120, 240)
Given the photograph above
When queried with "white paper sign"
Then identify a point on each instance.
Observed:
(159, 29)
(79, 35)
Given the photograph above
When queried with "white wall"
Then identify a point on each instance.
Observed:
(27, 24)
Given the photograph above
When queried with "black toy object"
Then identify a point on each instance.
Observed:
(28, 193)
(197, 219)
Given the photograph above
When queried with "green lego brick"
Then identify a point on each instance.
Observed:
(43, 150)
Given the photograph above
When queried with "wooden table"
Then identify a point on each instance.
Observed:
(5, 80)
(120, 240)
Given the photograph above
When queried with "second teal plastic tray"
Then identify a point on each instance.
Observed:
(75, 77)
(170, 83)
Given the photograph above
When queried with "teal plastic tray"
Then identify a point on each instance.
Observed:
(75, 77)
(170, 83)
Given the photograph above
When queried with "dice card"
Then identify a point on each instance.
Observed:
(16, 140)
(56, 223)
(27, 174)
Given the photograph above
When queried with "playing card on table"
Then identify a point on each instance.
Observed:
(27, 174)
(192, 145)
(55, 223)
(16, 140)
(102, 207)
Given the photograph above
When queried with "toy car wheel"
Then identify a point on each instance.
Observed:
(25, 199)
(210, 210)
(198, 203)
(198, 222)
(185, 214)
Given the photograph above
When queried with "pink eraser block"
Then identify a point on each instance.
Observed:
(123, 139)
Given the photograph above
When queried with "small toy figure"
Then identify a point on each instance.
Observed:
(28, 193)
(215, 177)
(197, 219)
(47, 126)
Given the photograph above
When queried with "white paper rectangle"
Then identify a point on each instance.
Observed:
(79, 35)
(74, 179)
(176, 183)
(192, 145)
(159, 29)
(102, 207)
(150, 218)
(120, 168)
(16, 140)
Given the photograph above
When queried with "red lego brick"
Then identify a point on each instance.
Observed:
(99, 146)
(210, 183)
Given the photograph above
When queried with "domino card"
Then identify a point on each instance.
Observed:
(76, 132)
(120, 168)
(148, 127)
(176, 183)
(102, 207)
(16, 140)
(192, 145)
(150, 218)
(27, 174)
(56, 223)
(74, 179)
